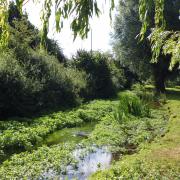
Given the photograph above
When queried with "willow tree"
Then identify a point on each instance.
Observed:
(162, 40)
(136, 55)
(164, 37)
(127, 50)
(82, 10)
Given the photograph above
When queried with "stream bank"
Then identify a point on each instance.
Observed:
(67, 152)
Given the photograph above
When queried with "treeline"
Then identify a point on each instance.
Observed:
(34, 80)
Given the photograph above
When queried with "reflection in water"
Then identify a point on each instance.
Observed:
(90, 159)
(88, 163)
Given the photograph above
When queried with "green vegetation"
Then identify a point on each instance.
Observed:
(42, 80)
(104, 78)
(130, 125)
(127, 49)
(151, 60)
(143, 135)
(123, 137)
(35, 164)
(19, 136)
(158, 160)
(68, 135)
(45, 97)
(130, 104)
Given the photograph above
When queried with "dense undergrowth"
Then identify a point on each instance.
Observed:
(128, 136)
(38, 163)
(131, 124)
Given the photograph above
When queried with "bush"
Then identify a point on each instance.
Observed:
(118, 77)
(99, 77)
(38, 83)
(13, 84)
(103, 77)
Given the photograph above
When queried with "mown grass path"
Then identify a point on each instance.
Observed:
(158, 160)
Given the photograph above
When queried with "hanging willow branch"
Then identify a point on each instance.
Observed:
(4, 29)
(4, 34)
(162, 41)
(79, 11)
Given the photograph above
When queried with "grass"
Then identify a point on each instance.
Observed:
(158, 160)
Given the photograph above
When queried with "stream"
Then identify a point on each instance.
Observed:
(89, 159)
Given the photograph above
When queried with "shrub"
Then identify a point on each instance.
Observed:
(13, 84)
(118, 77)
(96, 66)
(149, 96)
(39, 82)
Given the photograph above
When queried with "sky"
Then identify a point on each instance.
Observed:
(101, 29)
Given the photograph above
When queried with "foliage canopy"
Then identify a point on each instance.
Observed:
(163, 40)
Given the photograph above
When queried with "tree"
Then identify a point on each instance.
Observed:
(163, 40)
(126, 47)
(136, 54)
(99, 77)
(165, 37)
(24, 36)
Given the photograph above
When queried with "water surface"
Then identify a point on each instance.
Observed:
(89, 159)
(70, 134)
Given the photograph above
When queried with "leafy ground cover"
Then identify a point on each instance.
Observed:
(158, 160)
(151, 139)
(16, 136)
(128, 137)
(130, 125)
(37, 163)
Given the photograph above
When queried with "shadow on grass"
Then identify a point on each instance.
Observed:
(173, 93)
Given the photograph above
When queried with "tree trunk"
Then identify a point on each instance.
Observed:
(161, 72)
(160, 84)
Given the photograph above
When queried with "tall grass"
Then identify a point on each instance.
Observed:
(130, 104)
(143, 93)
